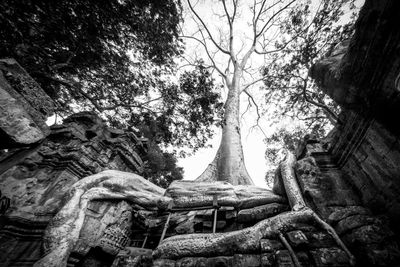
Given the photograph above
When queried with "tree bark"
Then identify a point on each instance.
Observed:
(228, 164)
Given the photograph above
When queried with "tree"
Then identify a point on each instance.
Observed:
(161, 167)
(228, 164)
(117, 59)
(184, 112)
(307, 37)
(113, 57)
(272, 28)
(59, 43)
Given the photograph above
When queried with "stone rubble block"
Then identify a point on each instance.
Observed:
(344, 212)
(297, 238)
(248, 260)
(163, 263)
(270, 245)
(283, 259)
(320, 240)
(206, 262)
(303, 258)
(267, 259)
(330, 257)
(353, 222)
(367, 234)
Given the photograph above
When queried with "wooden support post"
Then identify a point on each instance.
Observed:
(170, 204)
(215, 205)
(145, 240)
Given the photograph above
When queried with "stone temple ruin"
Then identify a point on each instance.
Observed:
(71, 194)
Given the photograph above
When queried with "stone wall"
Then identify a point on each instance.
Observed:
(36, 178)
(363, 76)
(328, 189)
(369, 155)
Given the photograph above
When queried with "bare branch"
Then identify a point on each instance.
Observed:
(320, 105)
(206, 28)
(271, 18)
(207, 52)
(230, 21)
(251, 84)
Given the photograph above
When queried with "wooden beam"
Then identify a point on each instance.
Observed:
(170, 205)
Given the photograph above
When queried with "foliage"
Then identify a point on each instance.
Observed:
(86, 40)
(161, 168)
(185, 113)
(116, 57)
(285, 137)
(305, 38)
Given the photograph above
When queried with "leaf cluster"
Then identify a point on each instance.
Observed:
(117, 58)
(305, 38)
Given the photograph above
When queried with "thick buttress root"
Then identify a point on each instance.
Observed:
(297, 202)
(248, 240)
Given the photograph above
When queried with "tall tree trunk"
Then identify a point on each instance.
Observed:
(228, 164)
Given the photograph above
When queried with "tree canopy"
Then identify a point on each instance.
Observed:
(117, 58)
(308, 35)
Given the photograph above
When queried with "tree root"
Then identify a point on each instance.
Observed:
(64, 230)
(297, 202)
(290, 249)
(248, 240)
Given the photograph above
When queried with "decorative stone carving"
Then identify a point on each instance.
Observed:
(82, 146)
(24, 107)
(36, 179)
(116, 236)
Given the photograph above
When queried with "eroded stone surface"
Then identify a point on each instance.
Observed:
(327, 190)
(24, 107)
(82, 146)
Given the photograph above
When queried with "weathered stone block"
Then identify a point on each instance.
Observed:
(191, 261)
(270, 245)
(246, 260)
(303, 258)
(320, 240)
(344, 212)
(163, 263)
(267, 259)
(297, 238)
(330, 257)
(220, 262)
(283, 259)
(206, 262)
(354, 221)
(367, 234)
